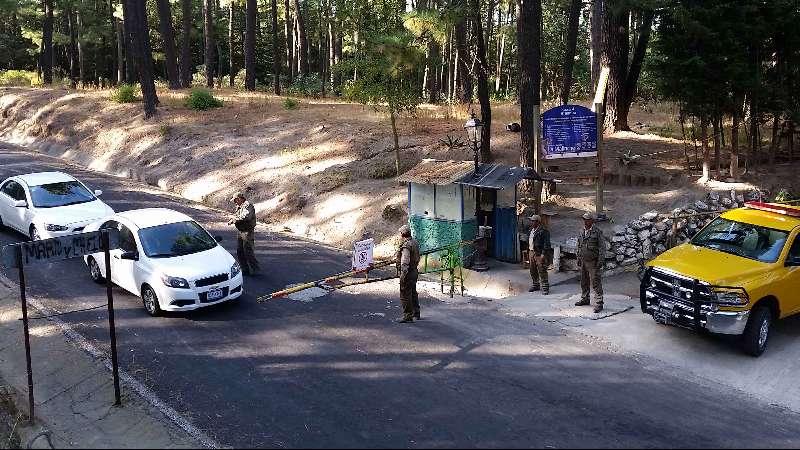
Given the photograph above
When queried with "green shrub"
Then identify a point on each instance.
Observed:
(202, 99)
(308, 86)
(290, 104)
(124, 93)
(22, 78)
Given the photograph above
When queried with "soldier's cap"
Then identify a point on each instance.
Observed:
(535, 218)
(588, 216)
(238, 195)
(405, 229)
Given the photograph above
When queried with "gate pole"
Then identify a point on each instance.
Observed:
(26, 329)
(111, 326)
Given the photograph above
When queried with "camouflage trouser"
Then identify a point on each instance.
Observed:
(246, 254)
(408, 295)
(592, 276)
(539, 272)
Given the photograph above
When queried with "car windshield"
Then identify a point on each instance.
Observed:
(60, 194)
(743, 239)
(175, 239)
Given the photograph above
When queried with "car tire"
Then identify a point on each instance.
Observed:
(150, 301)
(756, 333)
(34, 234)
(94, 272)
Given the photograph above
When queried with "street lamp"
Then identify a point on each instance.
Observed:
(474, 128)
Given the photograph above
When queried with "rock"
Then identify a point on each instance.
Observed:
(660, 248)
(733, 195)
(639, 225)
(611, 266)
(659, 237)
(617, 239)
(701, 206)
(726, 202)
(640, 256)
(677, 212)
(619, 230)
(630, 252)
(630, 262)
(740, 199)
(661, 226)
(647, 248)
(714, 197)
(649, 216)
(630, 231)
(644, 234)
(611, 255)
(620, 250)
(620, 258)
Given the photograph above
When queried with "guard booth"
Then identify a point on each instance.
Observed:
(448, 202)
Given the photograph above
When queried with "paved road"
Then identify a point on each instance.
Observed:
(331, 374)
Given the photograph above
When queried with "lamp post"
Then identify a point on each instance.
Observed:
(474, 128)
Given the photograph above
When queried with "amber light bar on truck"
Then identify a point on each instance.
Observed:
(774, 208)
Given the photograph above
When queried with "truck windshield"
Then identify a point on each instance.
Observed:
(743, 239)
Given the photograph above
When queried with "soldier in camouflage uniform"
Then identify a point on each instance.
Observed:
(539, 255)
(245, 221)
(407, 261)
(591, 255)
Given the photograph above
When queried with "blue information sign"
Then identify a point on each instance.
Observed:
(569, 131)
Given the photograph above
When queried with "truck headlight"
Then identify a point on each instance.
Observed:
(235, 270)
(51, 227)
(730, 297)
(174, 282)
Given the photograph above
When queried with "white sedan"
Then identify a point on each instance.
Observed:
(49, 204)
(167, 259)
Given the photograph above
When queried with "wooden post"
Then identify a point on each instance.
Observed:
(112, 328)
(26, 333)
(598, 107)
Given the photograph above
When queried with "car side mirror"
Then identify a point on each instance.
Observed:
(130, 256)
(98, 193)
(218, 239)
(20, 204)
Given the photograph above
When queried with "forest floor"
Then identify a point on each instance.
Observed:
(325, 170)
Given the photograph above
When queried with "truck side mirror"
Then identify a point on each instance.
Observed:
(793, 261)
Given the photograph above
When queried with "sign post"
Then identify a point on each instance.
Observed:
(570, 131)
(363, 257)
(59, 249)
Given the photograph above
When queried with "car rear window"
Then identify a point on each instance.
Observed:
(175, 239)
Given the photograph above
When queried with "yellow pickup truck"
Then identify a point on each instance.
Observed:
(736, 276)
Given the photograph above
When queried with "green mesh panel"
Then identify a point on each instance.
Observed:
(432, 233)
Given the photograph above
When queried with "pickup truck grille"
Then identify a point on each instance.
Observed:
(674, 299)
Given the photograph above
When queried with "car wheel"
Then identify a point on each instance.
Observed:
(756, 333)
(95, 272)
(150, 300)
(35, 234)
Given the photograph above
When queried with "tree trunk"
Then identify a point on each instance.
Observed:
(500, 59)
(72, 48)
(303, 40)
(572, 44)
(143, 53)
(250, 46)
(120, 52)
(396, 139)
(615, 52)
(734, 165)
(168, 36)
(464, 79)
(288, 29)
(595, 40)
(706, 151)
(231, 46)
(276, 60)
(482, 72)
(529, 19)
(186, 44)
(632, 80)
(715, 123)
(131, 70)
(46, 60)
(81, 48)
(774, 146)
(208, 33)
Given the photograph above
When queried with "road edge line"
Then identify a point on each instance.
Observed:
(83, 344)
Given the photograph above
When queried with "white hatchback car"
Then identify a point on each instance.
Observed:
(169, 260)
(49, 204)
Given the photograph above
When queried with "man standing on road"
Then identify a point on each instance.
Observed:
(591, 254)
(245, 221)
(538, 252)
(407, 262)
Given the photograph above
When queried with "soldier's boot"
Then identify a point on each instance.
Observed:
(583, 302)
(417, 315)
(405, 320)
(534, 288)
(598, 307)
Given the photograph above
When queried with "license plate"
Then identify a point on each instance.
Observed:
(664, 313)
(215, 294)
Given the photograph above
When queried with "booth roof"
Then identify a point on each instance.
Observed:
(438, 172)
(497, 176)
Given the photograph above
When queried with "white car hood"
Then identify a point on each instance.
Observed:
(193, 267)
(74, 214)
